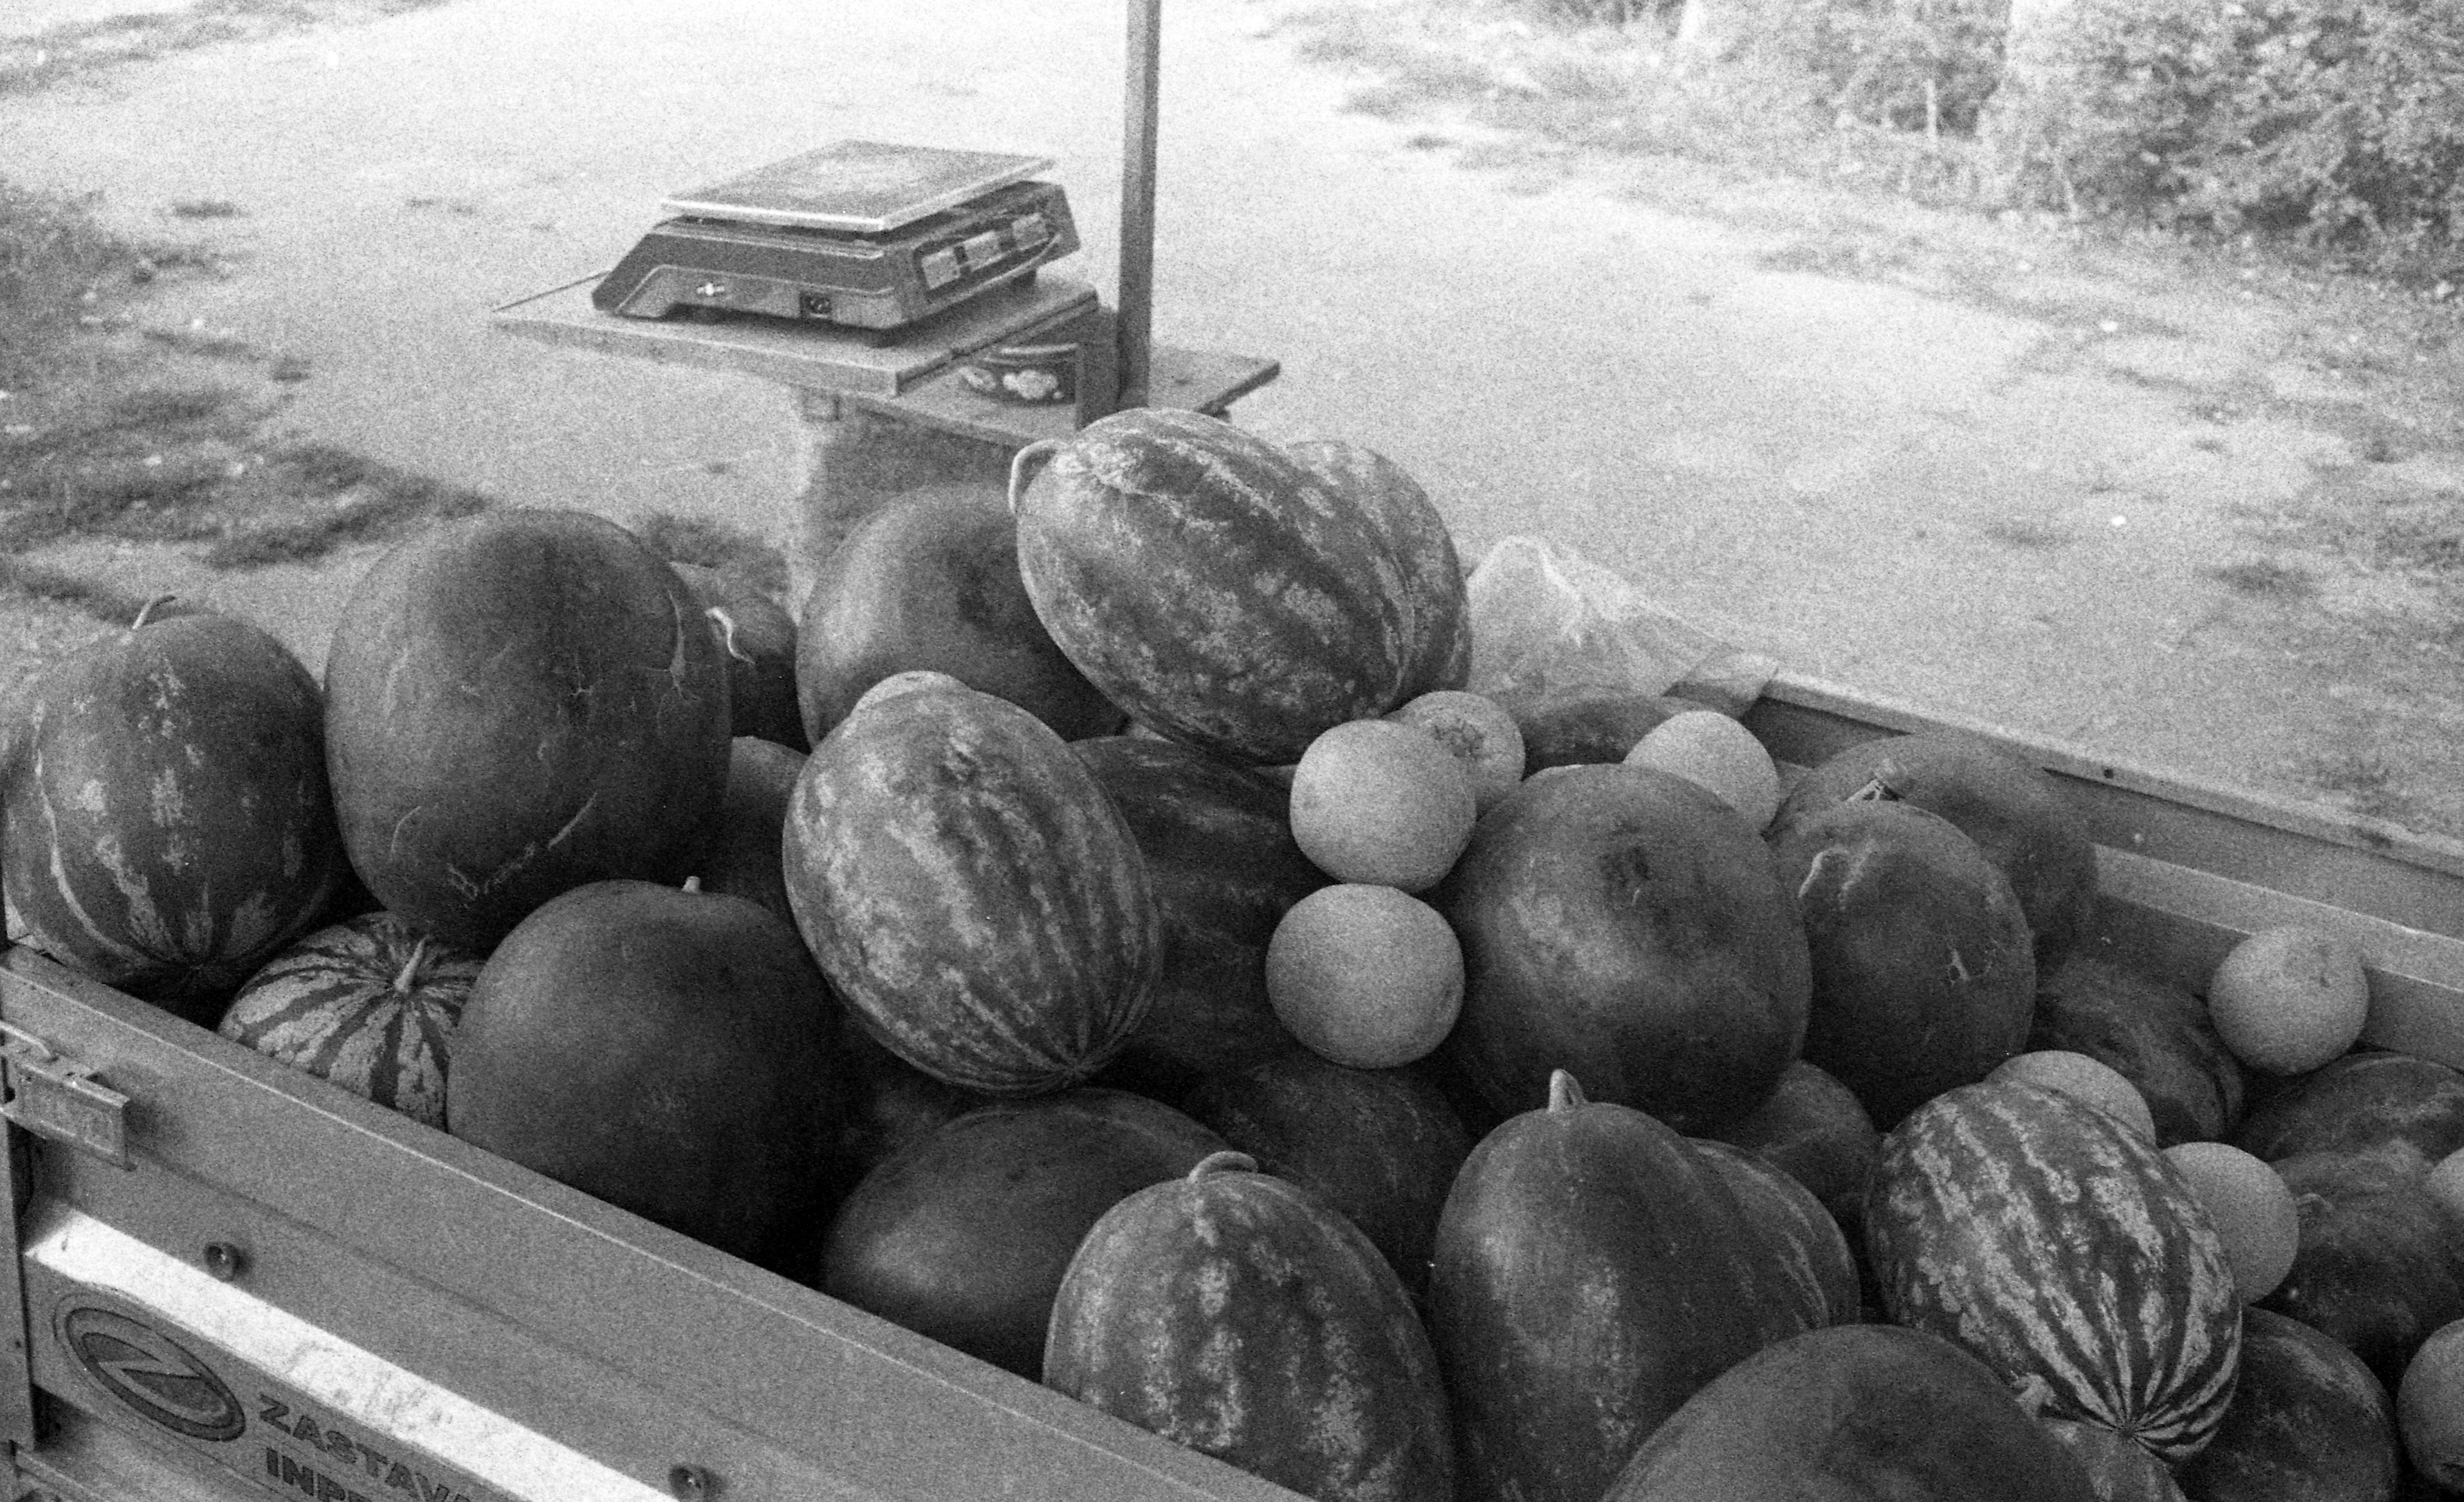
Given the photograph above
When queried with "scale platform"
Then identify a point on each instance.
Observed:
(859, 234)
(917, 377)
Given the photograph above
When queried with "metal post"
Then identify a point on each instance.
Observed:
(1136, 313)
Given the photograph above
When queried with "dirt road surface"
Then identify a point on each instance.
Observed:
(2171, 517)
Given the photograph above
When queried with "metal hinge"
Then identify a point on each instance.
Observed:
(59, 1099)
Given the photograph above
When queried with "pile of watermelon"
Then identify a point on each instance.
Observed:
(915, 946)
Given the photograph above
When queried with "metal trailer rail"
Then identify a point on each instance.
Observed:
(231, 1280)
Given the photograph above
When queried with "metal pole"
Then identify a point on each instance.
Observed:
(1136, 311)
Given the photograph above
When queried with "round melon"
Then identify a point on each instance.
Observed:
(931, 582)
(1591, 1270)
(2017, 814)
(672, 1052)
(971, 891)
(1211, 586)
(2062, 1248)
(517, 703)
(1625, 925)
(1923, 972)
(165, 825)
(370, 1004)
(1854, 1412)
(962, 1233)
(1239, 1315)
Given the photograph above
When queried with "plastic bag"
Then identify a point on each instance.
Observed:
(1549, 626)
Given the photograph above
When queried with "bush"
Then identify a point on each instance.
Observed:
(1908, 64)
(2339, 121)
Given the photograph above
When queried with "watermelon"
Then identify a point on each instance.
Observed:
(2381, 1260)
(1853, 1412)
(963, 1231)
(1924, 973)
(758, 638)
(2154, 1033)
(517, 703)
(1625, 926)
(2309, 1422)
(1394, 502)
(165, 825)
(1379, 1145)
(370, 1004)
(1814, 1129)
(1591, 1270)
(2065, 1249)
(2017, 813)
(1239, 1315)
(1219, 854)
(1797, 1233)
(1208, 583)
(971, 893)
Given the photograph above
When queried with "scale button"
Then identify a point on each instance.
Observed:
(941, 269)
(984, 248)
(711, 289)
(1030, 230)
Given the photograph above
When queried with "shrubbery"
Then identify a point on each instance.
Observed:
(2342, 121)
(2339, 122)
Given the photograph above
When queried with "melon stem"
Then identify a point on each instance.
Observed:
(409, 976)
(1040, 450)
(1564, 1092)
(1224, 1162)
(727, 633)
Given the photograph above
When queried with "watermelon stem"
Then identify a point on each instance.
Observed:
(1565, 1094)
(409, 976)
(147, 608)
(1042, 451)
(727, 632)
(1224, 1162)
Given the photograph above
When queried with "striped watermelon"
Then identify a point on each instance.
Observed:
(969, 889)
(1211, 586)
(2064, 1250)
(165, 821)
(1433, 572)
(369, 1003)
(1239, 1315)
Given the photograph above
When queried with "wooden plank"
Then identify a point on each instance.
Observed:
(815, 356)
(475, 1242)
(1203, 381)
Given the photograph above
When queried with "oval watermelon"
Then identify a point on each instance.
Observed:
(370, 1004)
(2064, 1249)
(1211, 586)
(165, 825)
(1239, 1315)
(1433, 573)
(971, 893)
(1591, 1270)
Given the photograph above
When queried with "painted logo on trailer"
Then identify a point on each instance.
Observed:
(153, 1374)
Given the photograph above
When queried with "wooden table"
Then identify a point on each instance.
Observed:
(884, 417)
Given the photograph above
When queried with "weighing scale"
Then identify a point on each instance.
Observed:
(859, 234)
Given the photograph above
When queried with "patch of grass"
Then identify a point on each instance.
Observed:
(203, 345)
(715, 545)
(80, 47)
(370, 501)
(93, 597)
(2265, 579)
(206, 209)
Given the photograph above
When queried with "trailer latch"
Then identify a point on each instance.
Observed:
(60, 1099)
